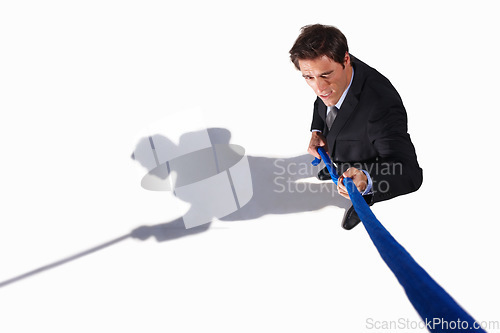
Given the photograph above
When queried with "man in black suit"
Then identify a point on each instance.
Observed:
(358, 117)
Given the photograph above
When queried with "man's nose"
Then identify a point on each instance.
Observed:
(321, 85)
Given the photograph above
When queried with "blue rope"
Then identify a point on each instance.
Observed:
(435, 306)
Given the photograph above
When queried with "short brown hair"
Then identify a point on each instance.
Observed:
(319, 40)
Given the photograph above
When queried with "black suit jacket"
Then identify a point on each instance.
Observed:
(370, 132)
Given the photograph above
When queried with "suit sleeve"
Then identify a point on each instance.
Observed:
(396, 170)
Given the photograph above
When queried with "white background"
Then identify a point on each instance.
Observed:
(81, 80)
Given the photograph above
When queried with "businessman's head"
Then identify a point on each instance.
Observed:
(319, 40)
(321, 54)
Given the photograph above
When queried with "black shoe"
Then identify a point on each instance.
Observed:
(323, 174)
(351, 218)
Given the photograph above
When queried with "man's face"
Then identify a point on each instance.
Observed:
(326, 77)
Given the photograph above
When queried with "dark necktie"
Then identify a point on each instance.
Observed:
(330, 117)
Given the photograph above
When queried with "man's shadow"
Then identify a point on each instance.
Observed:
(276, 186)
(280, 185)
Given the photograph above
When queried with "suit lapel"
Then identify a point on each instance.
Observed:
(347, 108)
(322, 114)
(343, 115)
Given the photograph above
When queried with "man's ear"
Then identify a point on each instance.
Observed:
(347, 59)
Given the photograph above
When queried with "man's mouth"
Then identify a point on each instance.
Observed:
(325, 95)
